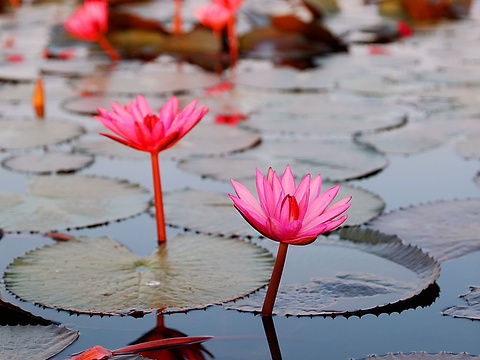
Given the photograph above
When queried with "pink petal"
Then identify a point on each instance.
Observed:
(315, 187)
(143, 106)
(320, 204)
(169, 112)
(335, 223)
(288, 181)
(244, 194)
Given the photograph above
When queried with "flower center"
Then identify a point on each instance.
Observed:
(292, 204)
(150, 120)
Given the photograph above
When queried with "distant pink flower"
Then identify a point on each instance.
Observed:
(139, 127)
(232, 5)
(214, 16)
(90, 21)
(288, 213)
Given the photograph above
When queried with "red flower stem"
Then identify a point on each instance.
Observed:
(157, 188)
(177, 18)
(232, 41)
(272, 289)
(109, 49)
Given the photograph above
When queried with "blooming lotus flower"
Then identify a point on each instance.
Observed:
(139, 127)
(90, 23)
(232, 5)
(289, 214)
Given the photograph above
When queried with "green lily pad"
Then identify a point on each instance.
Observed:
(194, 209)
(48, 163)
(335, 160)
(101, 276)
(28, 342)
(430, 227)
(22, 134)
(423, 356)
(152, 82)
(472, 310)
(70, 201)
(420, 136)
(361, 272)
(205, 139)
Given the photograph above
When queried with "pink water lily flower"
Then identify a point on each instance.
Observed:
(89, 22)
(288, 213)
(139, 127)
(214, 16)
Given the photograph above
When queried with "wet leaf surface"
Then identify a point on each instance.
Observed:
(103, 277)
(34, 342)
(471, 310)
(18, 134)
(48, 163)
(429, 226)
(469, 147)
(193, 209)
(306, 156)
(70, 201)
(395, 273)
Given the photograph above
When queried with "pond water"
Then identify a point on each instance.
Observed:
(439, 173)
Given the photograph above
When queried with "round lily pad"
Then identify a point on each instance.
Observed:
(146, 82)
(445, 229)
(421, 136)
(472, 310)
(424, 356)
(335, 160)
(70, 201)
(101, 276)
(48, 163)
(194, 209)
(360, 272)
(205, 139)
(323, 123)
(34, 342)
(21, 134)
(21, 72)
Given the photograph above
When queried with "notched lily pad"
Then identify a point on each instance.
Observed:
(22, 134)
(430, 227)
(34, 342)
(307, 156)
(70, 201)
(48, 163)
(420, 136)
(472, 310)
(190, 271)
(205, 139)
(155, 82)
(424, 356)
(361, 272)
(194, 209)
(469, 147)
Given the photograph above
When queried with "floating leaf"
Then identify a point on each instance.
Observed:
(306, 156)
(472, 310)
(362, 272)
(194, 209)
(322, 123)
(48, 163)
(21, 72)
(70, 201)
(30, 342)
(423, 356)
(75, 67)
(21, 134)
(430, 227)
(12, 315)
(101, 276)
(205, 139)
(421, 136)
(146, 83)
